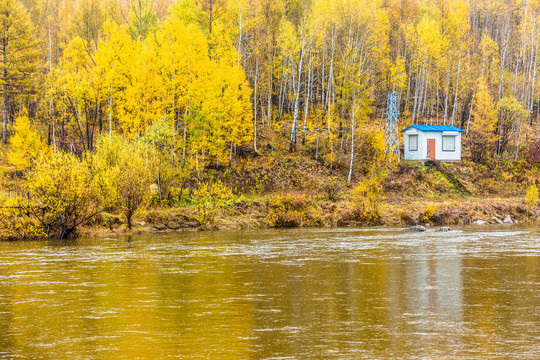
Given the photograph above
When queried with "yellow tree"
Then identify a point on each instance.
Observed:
(184, 65)
(111, 60)
(18, 54)
(511, 113)
(481, 132)
(76, 92)
(26, 144)
(206, 89)
(231, 103)
(143, 97)
(122, 174)
(64, 192)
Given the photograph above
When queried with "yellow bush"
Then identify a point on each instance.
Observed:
(429, 213)
(532, 197)
(210, 196)
(371, 153)
(123, 175)
(64, 194)
(368, 193)
(15, 220)
(289, 210)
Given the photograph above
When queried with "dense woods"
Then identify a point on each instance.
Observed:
(163, 90)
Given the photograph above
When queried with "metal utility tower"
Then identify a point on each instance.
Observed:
(391, 134)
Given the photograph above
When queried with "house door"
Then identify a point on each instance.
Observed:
(431, 149)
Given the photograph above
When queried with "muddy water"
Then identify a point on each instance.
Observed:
(288, 294)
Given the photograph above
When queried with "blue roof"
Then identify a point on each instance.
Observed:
(431, 128)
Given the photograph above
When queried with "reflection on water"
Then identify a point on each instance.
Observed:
(305, 293)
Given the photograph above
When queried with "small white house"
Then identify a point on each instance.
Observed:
(432, 142)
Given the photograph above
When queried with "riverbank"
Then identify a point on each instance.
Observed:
(259, 214)
(295, 190)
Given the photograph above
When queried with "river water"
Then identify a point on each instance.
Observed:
(275, 294)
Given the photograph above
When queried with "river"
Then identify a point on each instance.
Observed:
(275, 294)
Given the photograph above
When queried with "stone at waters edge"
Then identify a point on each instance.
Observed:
(480, 222)
(444, 229)
(496, 219)
(418, 228)
(508, 220)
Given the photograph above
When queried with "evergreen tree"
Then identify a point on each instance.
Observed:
(18, 54)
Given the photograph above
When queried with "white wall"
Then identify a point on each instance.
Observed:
(421, 153)
(413, 155)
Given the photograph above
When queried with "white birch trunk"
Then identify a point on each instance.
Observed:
(457, 87)
(352, 140)
(292, 145)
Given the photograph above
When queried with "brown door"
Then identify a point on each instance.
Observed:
(431, 149)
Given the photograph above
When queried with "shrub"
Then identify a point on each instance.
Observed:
(16, 221)
(368, 197)
(367, 193)
(531, 198)
(429, 213)
(532, 154)
(210, 196)
(371, 150)
(332, 188)
(64, 194)
(362, 216)
(285, 211)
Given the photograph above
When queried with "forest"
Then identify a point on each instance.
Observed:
(115, 106)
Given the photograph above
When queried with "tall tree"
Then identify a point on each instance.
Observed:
(140, 17)
(18, 54)
(481, 133)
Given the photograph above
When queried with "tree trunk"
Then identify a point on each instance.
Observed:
(446, 99)
(415, 95)
(256, 83)
(352, 140)
(307, 104)
(4, 114)
(457, 87)
(269, 99)
(292, 145)
(129, 218)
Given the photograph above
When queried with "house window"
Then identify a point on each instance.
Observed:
(413, 142)
(449, 143)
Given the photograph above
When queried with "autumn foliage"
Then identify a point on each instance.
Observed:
(144, 98)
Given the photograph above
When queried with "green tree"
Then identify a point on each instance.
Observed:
(18, 54)
(161, 138)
